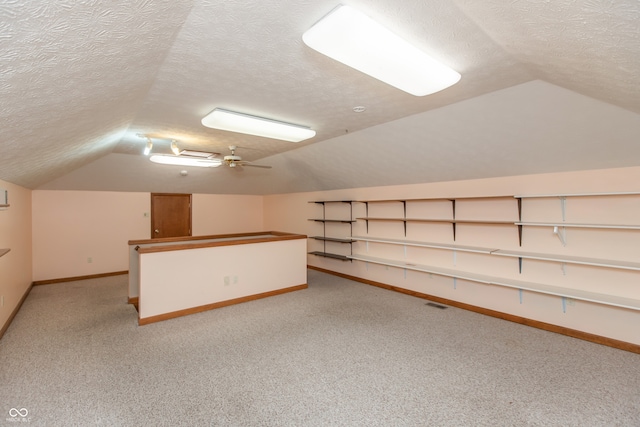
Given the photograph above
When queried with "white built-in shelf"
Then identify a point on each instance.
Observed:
(461, 248)
(542, 196)
(444, 221)
(4, 252)
(571, 293)
(574, 225)
(611, 300)
(425, 268)
(626, 265)
(453, 222)
(434, 199)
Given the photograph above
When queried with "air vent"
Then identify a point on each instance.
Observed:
(433, 304)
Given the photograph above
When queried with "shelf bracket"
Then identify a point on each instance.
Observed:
(561, 232)
(563, 206)
(563, 267)
(455, 283)
(520, 234)
(520, 295)
(455, 257)
(564, 304)
(520, 265)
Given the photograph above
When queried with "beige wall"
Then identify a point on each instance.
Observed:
(71, 228)
(223, 214)
(290, 213)
(15, 234)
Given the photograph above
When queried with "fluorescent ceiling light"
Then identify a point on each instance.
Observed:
(185, 161)
(259, 126)
(356, 40)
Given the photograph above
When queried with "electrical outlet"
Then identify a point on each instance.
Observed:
(235, 280)
(89, 260)
(226, 281)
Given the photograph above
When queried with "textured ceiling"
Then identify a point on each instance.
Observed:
(546, 86)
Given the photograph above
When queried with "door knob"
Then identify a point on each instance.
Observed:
(157, 231)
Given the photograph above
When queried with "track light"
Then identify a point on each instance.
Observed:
(174, 147)
(147, 149)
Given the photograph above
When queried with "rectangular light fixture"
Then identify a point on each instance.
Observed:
(350, 37)
(166, 159)
(259, 126)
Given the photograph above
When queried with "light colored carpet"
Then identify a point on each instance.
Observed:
(340, 353)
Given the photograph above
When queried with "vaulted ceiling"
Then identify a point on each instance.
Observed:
(546, 86)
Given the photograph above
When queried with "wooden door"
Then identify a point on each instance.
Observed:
(170, 215)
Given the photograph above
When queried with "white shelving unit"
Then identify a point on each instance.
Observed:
(453, 220)
(460, 248)
(566, 259)
(543, 288)
(559, 228)
(560, 291)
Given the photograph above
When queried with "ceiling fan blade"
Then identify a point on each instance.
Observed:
(256, 166)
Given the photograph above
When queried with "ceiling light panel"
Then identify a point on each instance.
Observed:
(259, 126)
(350, 37)
(185, 161)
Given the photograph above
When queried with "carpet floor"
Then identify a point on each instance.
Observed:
(339, 353)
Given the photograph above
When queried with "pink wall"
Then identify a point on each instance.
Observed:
(223, 214)
(71, 228)
(15, 234)
(290, 213)
(78, 233)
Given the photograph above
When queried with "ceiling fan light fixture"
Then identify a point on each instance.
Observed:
(253, 125)
(166, 159)
(348, 36)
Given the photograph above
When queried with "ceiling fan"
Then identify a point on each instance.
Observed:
(234, 160)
